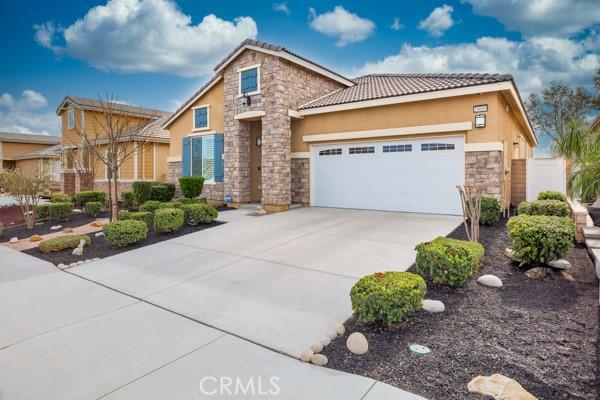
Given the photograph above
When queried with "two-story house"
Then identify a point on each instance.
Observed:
(148, 159)
(32, 153)
(276, 128)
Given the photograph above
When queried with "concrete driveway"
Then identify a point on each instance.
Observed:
(281, 281)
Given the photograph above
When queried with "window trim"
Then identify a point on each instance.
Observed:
(242, 69)
(106, 168)
(194, 129)
(69, 124)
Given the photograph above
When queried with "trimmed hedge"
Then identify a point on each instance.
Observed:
(93, 208)
(43, 210)
(387, 297)
(168, 219)
(199, 213)
(145, 216)
(540, 238)
(150, 205)
(448, 261)
(551, 195)
(490, 211)
(126, 232)
(555, 208)
(142, 191)
(171, 204)
(63, 242)
(197, 200)
(160, 193)
(59, 197)
(191, 186)
(60, 211)
(82, 198)
(128, 199)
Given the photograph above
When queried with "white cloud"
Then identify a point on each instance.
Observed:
(534, 62)
(439, 21)
(341, 24)
(282, 7)
(24, 115)
(147, 36)
(541, 17)
(396, 25)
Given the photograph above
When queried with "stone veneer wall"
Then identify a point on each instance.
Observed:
(212, 191)
(484, 169)
(301, 181)
(67, 183)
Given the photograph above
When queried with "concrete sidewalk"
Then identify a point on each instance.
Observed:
(63, 337)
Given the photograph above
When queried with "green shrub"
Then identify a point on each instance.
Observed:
(43, 210)
(62, 242)
(59, 197)
(551, 195)
(160, 193)
(540, 238)
(171, 188)
(171, 204)
(93, 208)
(490, 211)
(448, 261)
(387, 297)
(150, 205)
(60, 211)
(168, 219)
(82, 198)
(145, 216)
(199, 213)
(197, 200)
(142, 191)
(191, 186)
(128, 199)
(555, 208)
(126, 232)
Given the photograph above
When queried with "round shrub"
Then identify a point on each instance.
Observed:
(448, 261)
(197, 200)
(150, 206)
(63, 242)
(551, 195)
(60, 211)
(128, 199)
(171, 204)
(59, 197)
(160, 193)
(142, 191)
(540, 238)
(387, 297)
(490, 211)
(93, 208)
(145, 216)
(168, 219)
(199, 213)
(555, 208)
(171, 188)
(125, 233)
(191, 186)
(82, 198)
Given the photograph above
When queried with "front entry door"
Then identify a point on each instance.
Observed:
(255, 162)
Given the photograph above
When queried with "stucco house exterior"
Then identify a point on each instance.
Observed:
(150, 147)
(28, 152)
(275, 128)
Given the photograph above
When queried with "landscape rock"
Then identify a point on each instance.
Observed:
(95, 258)
(79, 263)
(39, 223)
(433, 306)
(509, 253)
(55, 227)
(35, 238)
(538, 273)
(78, 251)
(13, 240)
(568, 276)
(306, 355)
(72, 265)
(62, 266)
(68, 230)
(560, 264)
(357, 343)
(340, 329)
(490, 280)
(77, 211)
(98, 224)
(325, 341)
(499, 387)
(319, 359)
(317, 347)
(98, 234)
(332, 335)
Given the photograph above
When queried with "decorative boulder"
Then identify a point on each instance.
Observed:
(78, 251)
(98, 234)
(509, 253)
(36, 238)
(98, 224)
(55, 227)
(332, 335)
(560, 264)
(433, 306)
(77, 211)
(490, 280)
(319, 359)
(68, 230)
(339, 328)
(13, 240)
(325, 341)
(317, 347)
(538, 273)
(306, 355)
(499, 387)
(357, 343)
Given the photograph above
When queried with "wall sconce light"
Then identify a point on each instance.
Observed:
(258, 142)
(480, 121)
(515, 143)
(246, 100)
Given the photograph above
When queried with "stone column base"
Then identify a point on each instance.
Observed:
(276, 208)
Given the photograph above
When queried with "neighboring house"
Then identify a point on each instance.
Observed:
(28, 152)
(151, 146)
(275, 128)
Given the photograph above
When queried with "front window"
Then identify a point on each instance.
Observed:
(201, 117)
(249, 81)
(71, 119)
(203, 157)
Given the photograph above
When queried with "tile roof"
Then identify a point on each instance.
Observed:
(378, 86)
(28, 138)
(96, 104)
(154, 129)
(47, 152)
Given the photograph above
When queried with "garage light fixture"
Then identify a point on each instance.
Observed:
(480, 121)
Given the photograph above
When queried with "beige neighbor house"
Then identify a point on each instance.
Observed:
(275, 128)
(150, 147)
(28, 152)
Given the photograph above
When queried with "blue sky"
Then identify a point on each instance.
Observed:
(156, 52)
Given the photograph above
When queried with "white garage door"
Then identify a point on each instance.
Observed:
(409, 175)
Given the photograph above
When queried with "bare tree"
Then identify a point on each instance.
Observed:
(471, 205)
(25, 187)
(84, 161)
(113, 142)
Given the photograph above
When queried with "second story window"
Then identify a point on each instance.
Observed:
(82, 114)
(250, 80)
(201, 117)
(71, 119)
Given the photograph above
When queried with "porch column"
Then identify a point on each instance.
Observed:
(276, 161)
(237, 160)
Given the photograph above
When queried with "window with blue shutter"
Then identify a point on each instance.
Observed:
(219, 146)
(201, 118)
(205, 157)
(249, 81)
(185, 156)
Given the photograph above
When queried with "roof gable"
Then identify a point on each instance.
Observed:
(118, 108)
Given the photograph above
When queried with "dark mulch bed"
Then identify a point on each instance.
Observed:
(543, 333)
(42, 227)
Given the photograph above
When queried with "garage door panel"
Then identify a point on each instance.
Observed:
(413, 181)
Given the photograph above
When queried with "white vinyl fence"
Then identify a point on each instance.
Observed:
(545, 174)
